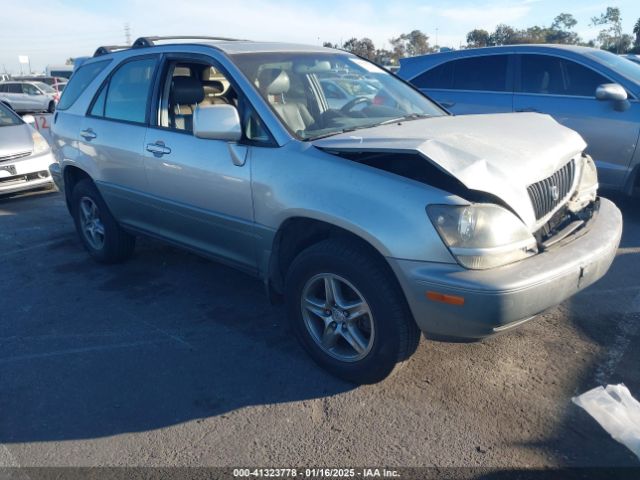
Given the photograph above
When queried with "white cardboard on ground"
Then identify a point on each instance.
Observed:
(615, 409)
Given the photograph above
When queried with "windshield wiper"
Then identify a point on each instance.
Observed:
(411, 116)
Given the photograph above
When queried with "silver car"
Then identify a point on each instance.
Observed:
(591, 91)
(372, 223)
(25, 155)
(23, 96)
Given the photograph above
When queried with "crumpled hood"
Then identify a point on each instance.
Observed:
(500, 154)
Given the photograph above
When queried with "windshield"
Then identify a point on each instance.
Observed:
(623, 66)
(44, 87)
(8, 118)
(321, 94)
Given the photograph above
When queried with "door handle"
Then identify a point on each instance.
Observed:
(528, 109)
(158, 148)
(88, 134)
(448, 104)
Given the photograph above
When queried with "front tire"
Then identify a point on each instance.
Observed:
(52, 107)
(99, 232)
(348, 311)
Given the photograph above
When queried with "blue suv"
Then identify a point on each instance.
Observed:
(591, 91)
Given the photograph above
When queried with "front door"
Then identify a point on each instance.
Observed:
(566, 90)
(201, 188)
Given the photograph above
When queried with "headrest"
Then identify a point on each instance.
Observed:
(273, 81)
(186, 90)
(212, 87)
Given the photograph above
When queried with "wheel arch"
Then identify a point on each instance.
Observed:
(71, 175)
(298, 233)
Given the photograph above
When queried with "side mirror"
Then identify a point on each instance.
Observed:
(611, 91)
(217, 122)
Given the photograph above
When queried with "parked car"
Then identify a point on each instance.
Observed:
(591, 91)
(24, 96)
(373, 223)
(25, 155)
(57, 83)
(63, 71)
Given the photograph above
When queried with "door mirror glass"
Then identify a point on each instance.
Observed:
(611, 91)
(217, 122)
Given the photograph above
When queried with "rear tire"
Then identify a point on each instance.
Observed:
(99, 232)
(52, 107)
(357, 347)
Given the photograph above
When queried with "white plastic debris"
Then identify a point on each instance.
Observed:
(616, 411)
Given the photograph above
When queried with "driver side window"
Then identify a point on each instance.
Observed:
(188, 86)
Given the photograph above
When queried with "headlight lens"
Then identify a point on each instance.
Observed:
(482, 236)
(39, 143)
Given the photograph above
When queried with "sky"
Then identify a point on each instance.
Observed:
(50, 31)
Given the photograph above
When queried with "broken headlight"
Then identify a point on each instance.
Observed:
(482, 236)
(587, 190)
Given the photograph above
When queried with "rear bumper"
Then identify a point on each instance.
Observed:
(30, 172)
(501, 298)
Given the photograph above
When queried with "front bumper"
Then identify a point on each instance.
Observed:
(504, 297)
(27, 173)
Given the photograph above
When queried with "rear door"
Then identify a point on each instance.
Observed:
(113, 134)
(566, 90)
(482, 84)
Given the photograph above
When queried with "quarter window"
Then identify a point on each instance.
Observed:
(79, 82)
(485, 73)
(545, 74)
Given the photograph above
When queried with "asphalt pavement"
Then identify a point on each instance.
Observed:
(173, 360)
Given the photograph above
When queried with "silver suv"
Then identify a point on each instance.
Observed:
(373, 221)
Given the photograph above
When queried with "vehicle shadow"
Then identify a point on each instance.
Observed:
(89, 351)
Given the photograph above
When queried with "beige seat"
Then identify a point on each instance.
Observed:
(185, 94)
(274, 84)
(213, 90)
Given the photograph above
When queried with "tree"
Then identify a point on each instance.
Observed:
(564, 20)
(503, 35)
(636, 31)
(611, 36)
(560, 31)
(330, 45)
(363, 47)
(477, 38)
(410, 44)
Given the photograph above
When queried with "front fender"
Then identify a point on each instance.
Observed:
(386, 210)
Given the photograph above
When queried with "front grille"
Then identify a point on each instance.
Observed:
(14, 156)
(547, 194)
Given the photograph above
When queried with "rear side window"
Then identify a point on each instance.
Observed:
(79, 82)
(126, 95)
(545, 74)
(14, 88)
(485, 73)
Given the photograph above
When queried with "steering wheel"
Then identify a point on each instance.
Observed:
(347, 107)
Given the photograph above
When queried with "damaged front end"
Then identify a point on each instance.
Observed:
(488, 233)
(573, 215)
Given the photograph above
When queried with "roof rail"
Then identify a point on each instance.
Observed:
(150, 41)
(106, 49)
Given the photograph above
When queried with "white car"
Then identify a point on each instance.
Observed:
(25, 155)
(22, 96)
